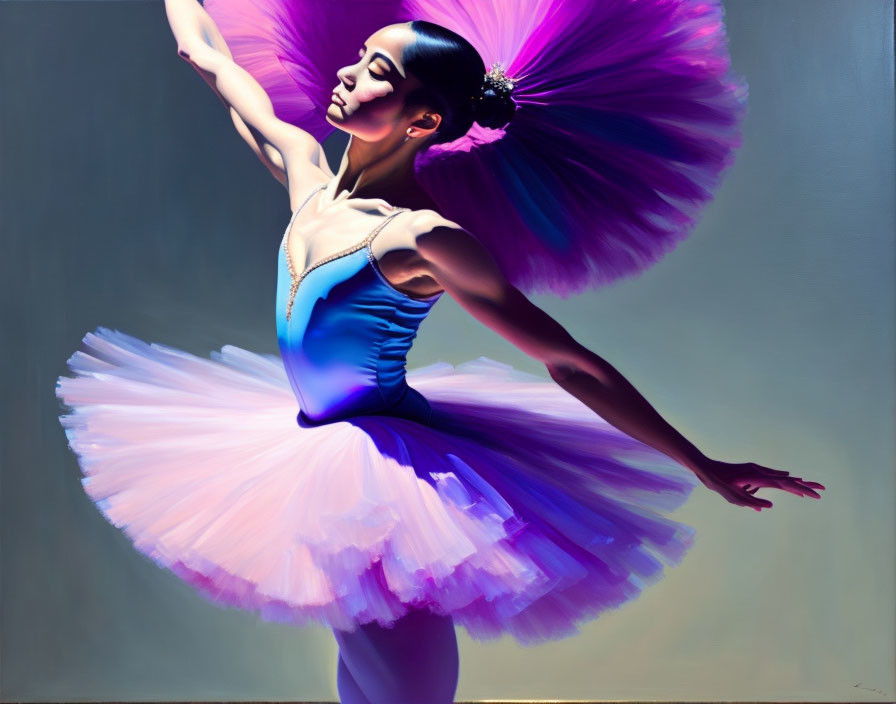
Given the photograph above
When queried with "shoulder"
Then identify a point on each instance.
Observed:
(442, 245)
(408, 230)
(420, 234)
(436, 236)
(428, 226)
(426, 219)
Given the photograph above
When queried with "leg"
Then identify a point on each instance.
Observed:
(415, 662)
(349, 691)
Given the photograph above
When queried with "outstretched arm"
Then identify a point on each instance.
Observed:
(292, 155)
(465, 269)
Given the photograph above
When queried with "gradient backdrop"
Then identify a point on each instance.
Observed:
(128, 200)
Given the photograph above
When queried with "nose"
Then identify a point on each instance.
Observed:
(346, 76)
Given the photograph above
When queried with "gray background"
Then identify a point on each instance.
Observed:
(128, 201)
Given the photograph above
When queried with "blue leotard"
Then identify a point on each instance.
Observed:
(345, 335)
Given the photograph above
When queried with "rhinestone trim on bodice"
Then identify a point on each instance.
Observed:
(296, 280)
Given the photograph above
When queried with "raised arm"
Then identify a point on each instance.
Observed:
(292, 155)
(465, 269)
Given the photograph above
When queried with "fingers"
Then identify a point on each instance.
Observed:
(745, 498)
(756, 503)
(780, 479)
(740, 486)
(807, 491)
(797, 486)
(760, 503)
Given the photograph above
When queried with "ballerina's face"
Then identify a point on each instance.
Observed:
(369, 101)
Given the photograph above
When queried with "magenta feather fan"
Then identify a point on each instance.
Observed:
(628, 114)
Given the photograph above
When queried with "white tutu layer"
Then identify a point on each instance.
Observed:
(516, 509)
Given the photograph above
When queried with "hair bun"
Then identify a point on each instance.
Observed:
(494, 107)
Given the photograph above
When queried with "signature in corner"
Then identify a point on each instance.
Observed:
(869, 689)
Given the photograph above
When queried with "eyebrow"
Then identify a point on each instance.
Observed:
(384, 57)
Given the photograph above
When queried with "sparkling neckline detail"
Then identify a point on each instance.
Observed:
(297, 280)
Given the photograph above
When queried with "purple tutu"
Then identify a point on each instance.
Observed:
(515, 508)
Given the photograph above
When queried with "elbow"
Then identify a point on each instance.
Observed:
(561, 371)
(201, 55)
(572, 358)
(186, 49)
(562, 361)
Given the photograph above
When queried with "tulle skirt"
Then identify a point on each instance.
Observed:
(515, 509)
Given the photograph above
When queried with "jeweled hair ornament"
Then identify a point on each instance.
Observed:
(626, 117)
(496, 79)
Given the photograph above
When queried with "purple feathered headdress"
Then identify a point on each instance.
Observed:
(627, 116)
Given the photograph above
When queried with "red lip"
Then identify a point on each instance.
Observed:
(336, 99)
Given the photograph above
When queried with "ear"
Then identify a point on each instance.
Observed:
(425, 125)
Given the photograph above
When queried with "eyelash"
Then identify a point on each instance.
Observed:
(379, 76)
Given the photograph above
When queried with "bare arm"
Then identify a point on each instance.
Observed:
(466, 270)
(292, 155)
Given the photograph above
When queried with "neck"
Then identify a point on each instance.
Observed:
(381, 169)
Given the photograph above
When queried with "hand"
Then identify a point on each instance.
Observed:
(739, 482)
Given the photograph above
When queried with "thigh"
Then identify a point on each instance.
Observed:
(414, 662)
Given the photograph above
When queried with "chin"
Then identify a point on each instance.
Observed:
(338, 125)
(342, 127)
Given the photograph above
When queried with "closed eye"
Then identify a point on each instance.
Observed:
(376, 55)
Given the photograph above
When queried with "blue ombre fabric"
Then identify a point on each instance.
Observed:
(346, 342)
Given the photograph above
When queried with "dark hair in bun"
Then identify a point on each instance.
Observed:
(494, 106)
(453, 76)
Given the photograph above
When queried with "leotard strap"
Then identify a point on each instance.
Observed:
(297, 280)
